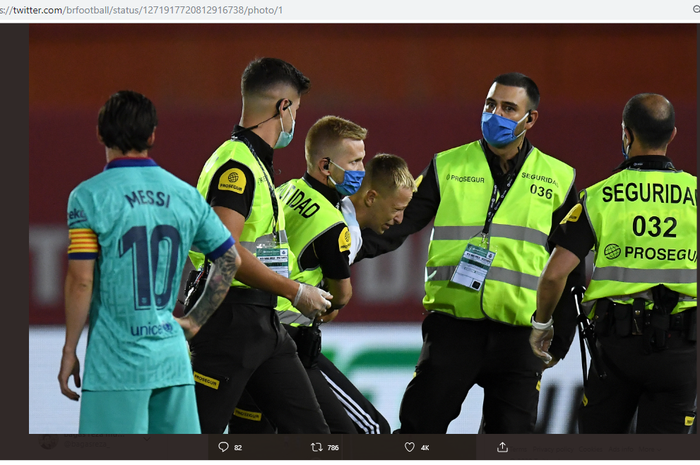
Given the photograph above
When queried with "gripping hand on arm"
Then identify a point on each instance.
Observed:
(254, 273)
(312, 301)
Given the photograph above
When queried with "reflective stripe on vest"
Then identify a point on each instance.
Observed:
(645, 227)
(291, 316)
(444, 273)
(632, 275)
(258, 226)
(308, 214)
(463, 233)
(518, 234)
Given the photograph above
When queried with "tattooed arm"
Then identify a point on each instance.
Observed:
(222, 271)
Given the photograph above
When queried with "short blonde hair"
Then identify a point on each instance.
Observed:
(387, 173)
(329, 130)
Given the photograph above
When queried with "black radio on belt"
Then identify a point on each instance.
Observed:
(655, 325)
(308, 340)
(659, 322)
(692, 325)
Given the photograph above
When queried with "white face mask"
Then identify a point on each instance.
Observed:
(625, 149)
(285, 137)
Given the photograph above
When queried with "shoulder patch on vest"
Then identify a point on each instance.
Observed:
(573, 214)
(419, 179)
(232, 180)
(344, 240)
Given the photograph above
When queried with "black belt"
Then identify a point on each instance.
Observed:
(249, 296)
(631, 320)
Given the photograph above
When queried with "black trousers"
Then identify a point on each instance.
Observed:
(365, 417)
(344, 407)
(660, 386)
(457, 354)
(244, 345)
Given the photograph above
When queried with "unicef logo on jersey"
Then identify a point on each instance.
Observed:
(152, 330)
(612, 251)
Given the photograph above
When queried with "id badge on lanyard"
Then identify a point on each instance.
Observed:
(478, 256)
(274, 257)
(271, 254)
(475, 263)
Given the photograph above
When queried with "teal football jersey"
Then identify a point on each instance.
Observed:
(138, 221)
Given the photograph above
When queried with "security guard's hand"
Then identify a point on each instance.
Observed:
(328, 317)
(552, 362)
(540, 340)
(312, 301)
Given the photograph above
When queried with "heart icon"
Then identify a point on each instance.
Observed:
(409, 446)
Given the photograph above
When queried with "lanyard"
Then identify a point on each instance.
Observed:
(273, 197)
(495, 202)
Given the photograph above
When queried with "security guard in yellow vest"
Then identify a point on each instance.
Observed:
(320, 242)
(243, 343)
(494, 202)
(642, 224)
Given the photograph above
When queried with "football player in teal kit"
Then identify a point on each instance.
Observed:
(130, 229)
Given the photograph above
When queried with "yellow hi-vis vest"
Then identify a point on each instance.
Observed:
(258, 227)
(519, 233)
(308, 214)
(645, 227)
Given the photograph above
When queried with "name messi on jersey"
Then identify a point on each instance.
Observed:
(649, 192)
(159, 199)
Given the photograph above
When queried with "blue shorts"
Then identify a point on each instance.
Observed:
(171, 410)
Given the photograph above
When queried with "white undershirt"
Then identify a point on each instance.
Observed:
(348, 210)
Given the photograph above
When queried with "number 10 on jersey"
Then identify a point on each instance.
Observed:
(146, 261)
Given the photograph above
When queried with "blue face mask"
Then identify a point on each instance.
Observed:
(351, 181)
(498, 130)
(285, 137)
